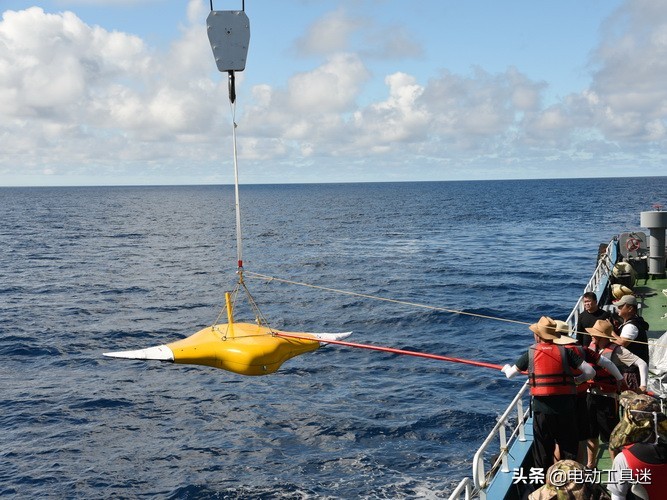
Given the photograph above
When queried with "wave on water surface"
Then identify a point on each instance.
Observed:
(89, 270)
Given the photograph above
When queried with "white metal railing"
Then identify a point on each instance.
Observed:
(479, 481)
(500, 431)
(464, 488)
(602, 272)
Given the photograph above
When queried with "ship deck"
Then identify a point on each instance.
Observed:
(653, 305)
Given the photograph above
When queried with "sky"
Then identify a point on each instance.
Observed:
(126, 92)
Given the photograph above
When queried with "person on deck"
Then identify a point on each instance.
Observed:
(644, 450)
(586, 434)
(589, 316)
(552, 386)
(565, 481)
(633, 335)
(648, 463)
(637, 424)
(603, 394)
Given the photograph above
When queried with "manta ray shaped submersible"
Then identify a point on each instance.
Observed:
(244, 348)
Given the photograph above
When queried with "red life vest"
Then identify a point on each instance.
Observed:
(605, 381)
(652, 476)
(549, 373)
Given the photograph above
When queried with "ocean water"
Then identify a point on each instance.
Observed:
(89, 270)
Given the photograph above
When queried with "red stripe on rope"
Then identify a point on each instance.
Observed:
(395, 351)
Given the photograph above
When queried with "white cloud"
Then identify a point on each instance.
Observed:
(339, 31)
(330, 34)
(393, 42)
(82, 100)
(398, 120)
(84, 94)
(311, 109)
(630, 71)
(334, 86)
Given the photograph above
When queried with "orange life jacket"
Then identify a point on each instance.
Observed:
(549, 373)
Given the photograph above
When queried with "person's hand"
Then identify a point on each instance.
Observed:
(621, 385)
(641, 390)
(507, 370)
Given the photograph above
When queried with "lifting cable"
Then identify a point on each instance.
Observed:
(229, 35)
(239, 237)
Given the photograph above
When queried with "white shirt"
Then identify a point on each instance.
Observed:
(629, 331)
(624, 356)
(619, 490)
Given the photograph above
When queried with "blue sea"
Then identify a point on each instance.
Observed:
(94, 269)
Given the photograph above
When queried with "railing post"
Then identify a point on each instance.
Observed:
(502, 434)
(464, 487)
(519, 416)
(480, 479)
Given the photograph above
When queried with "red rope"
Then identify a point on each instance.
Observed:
(395, 351)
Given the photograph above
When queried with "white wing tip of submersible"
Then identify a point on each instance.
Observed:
(324, 337)
(161, 353)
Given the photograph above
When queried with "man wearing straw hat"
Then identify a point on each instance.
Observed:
(587, 434)
(552, 386)
(603, 396)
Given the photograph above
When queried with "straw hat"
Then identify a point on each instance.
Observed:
(618, 290)
(545, 328)
(564, 329)
(601, 328)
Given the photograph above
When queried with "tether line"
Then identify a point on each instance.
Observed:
(393, 350)
(384, 299)
(421, 306)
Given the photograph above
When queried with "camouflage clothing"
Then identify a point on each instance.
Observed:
(637, 427)
(565, 482)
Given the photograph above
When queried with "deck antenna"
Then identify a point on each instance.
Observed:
(229, 35)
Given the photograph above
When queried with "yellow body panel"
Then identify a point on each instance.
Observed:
(243, 348)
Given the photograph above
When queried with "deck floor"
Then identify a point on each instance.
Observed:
(653, 305)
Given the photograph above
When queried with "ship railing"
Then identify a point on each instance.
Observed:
(501, 463)
(464, 488)
(505, 439)
(597, 283)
